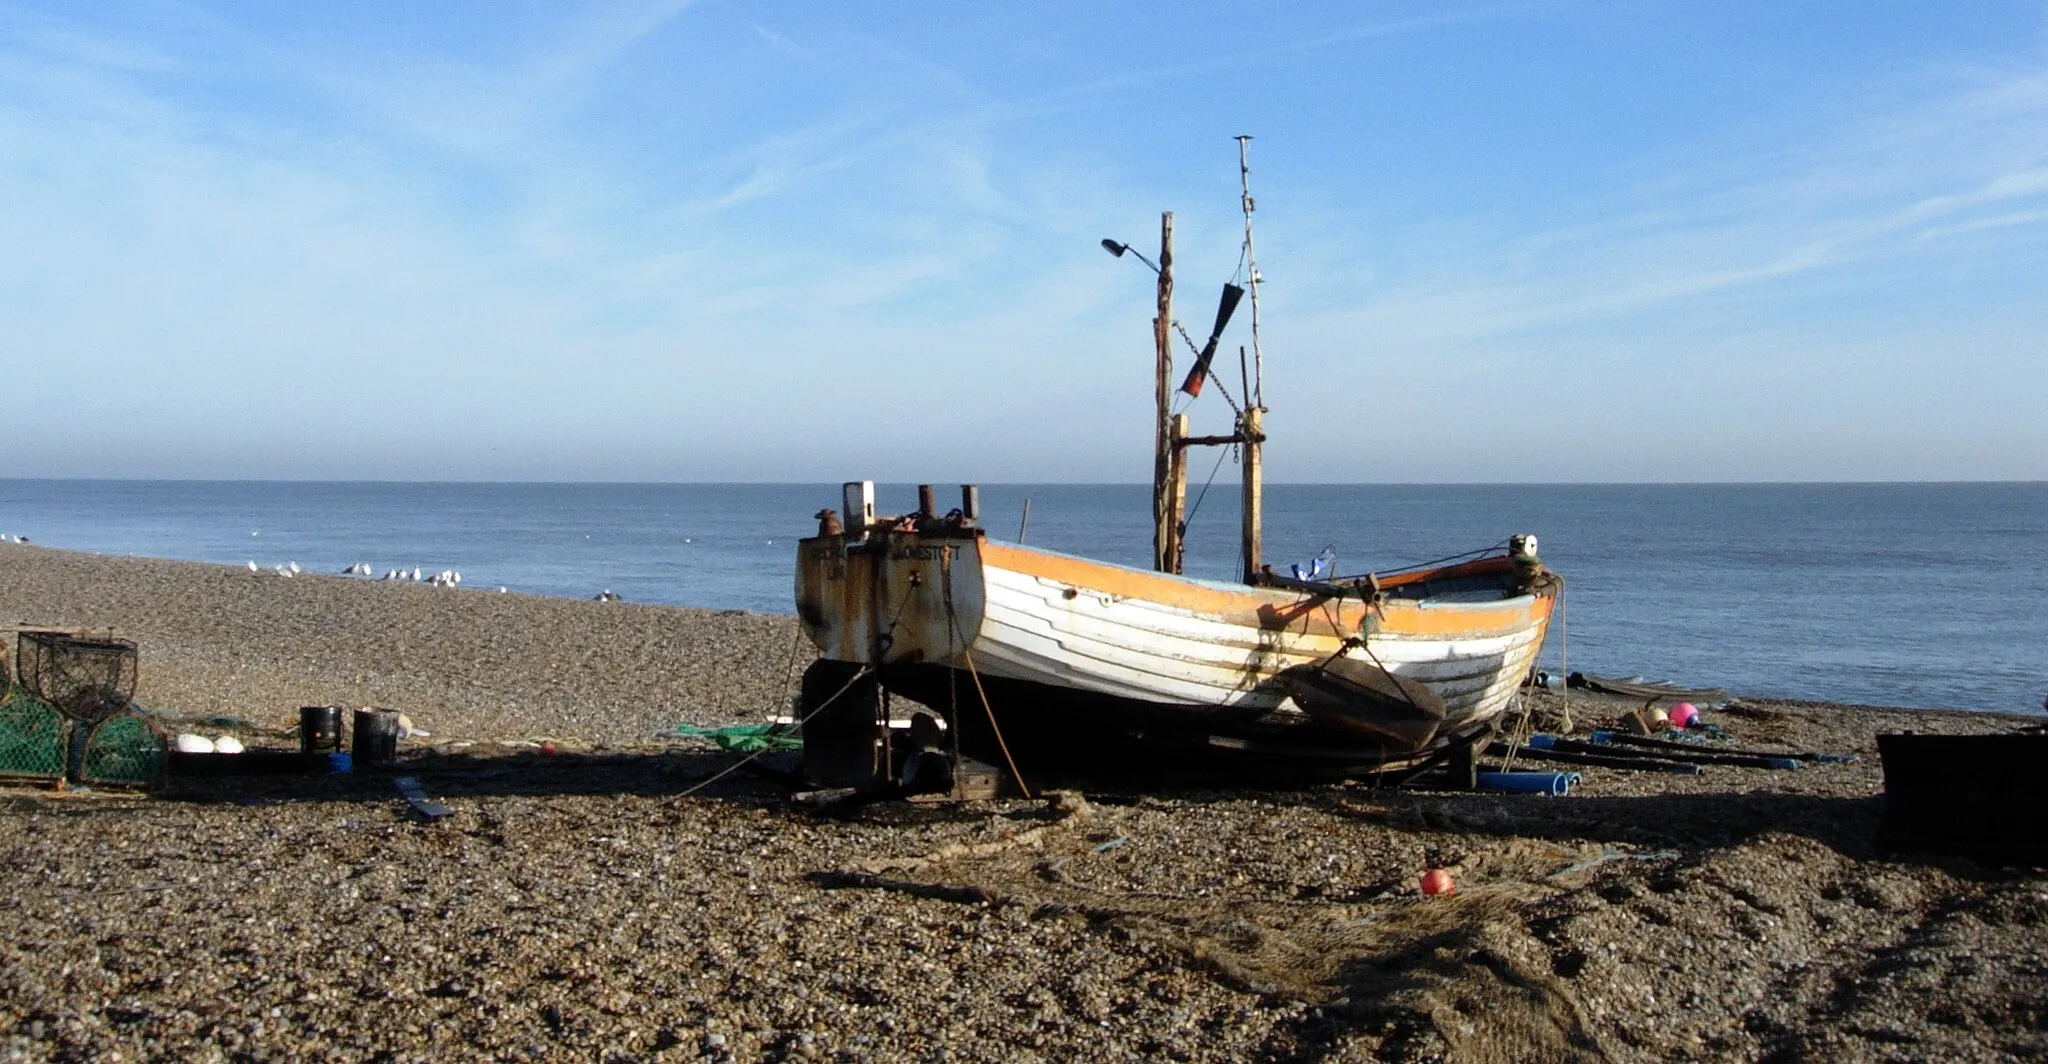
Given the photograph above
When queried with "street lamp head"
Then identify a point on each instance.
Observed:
(1118, 250)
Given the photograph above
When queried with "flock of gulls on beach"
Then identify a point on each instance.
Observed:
(414, 575)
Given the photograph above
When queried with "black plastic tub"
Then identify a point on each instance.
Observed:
(1970, 795)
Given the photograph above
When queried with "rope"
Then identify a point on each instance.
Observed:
(798, 726)
(796, 640)
(735, 766)
(1525, 723)
(1204, 493)
(968, 656)
(1564, 651)
(1474, 553)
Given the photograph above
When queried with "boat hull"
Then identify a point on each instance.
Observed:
(1059, 653)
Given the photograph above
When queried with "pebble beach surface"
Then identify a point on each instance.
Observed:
(617, 899)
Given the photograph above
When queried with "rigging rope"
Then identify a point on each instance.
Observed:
(1204, 493)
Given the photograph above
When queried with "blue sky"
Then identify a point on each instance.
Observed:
(793, 242)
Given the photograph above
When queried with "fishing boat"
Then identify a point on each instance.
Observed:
(1033, 660)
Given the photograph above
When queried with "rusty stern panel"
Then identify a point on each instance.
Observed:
(895, 597)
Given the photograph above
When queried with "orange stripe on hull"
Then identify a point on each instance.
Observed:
(1276, 609)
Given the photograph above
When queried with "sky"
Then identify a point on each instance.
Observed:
(1547, 241)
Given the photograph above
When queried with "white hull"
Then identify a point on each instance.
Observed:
(1168, 647)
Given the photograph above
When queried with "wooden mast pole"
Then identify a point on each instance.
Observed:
(1252, 428)
(1165, 522)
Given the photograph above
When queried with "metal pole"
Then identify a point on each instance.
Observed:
(1253, 424)
(1244, 176)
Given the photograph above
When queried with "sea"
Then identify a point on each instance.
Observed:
(1898, 594)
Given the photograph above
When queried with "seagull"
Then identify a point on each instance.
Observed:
(252, 566)
(294, 567)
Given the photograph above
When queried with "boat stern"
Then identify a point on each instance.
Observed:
(891, 591)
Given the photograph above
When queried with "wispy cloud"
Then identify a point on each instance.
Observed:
(1883, 190)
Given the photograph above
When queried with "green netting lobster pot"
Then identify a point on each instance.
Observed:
(123, 749)
(32, 737)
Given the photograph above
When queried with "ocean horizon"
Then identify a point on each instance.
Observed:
(1902, 593)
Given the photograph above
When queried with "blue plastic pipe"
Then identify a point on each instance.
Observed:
(1556, 783)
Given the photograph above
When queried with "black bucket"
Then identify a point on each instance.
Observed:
(319, 729)
(376, 738)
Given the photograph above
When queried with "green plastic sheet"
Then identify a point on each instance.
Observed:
(746, 738)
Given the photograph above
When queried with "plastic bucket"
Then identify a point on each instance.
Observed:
(319, 729)
(376, 738)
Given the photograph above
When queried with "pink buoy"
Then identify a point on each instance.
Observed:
(1684, 715)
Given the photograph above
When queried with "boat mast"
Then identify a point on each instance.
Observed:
(1251, 262)
(1251, 424)
(1165, 521)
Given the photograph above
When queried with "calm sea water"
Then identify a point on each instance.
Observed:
(1929, 595)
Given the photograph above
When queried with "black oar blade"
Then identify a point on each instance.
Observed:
(1225, 307)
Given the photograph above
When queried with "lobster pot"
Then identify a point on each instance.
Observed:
(32, 738)
(126, 749)
(87, 678)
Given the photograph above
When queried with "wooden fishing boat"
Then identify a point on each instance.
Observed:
(1032, 657)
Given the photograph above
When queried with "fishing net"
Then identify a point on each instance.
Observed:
(86, 678)
(32, 737)
(1466, 969)
(746, 738)
(123, 749)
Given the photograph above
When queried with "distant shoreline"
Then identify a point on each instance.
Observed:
(220, 639)
(2043, 482)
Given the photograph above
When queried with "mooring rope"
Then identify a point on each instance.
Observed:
(967, 656)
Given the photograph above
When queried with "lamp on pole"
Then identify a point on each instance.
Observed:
(1118, 249)
(1165, 519)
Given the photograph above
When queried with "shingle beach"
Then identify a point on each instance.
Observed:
(604, 902)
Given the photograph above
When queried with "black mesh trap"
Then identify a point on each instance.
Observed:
(87, 678)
